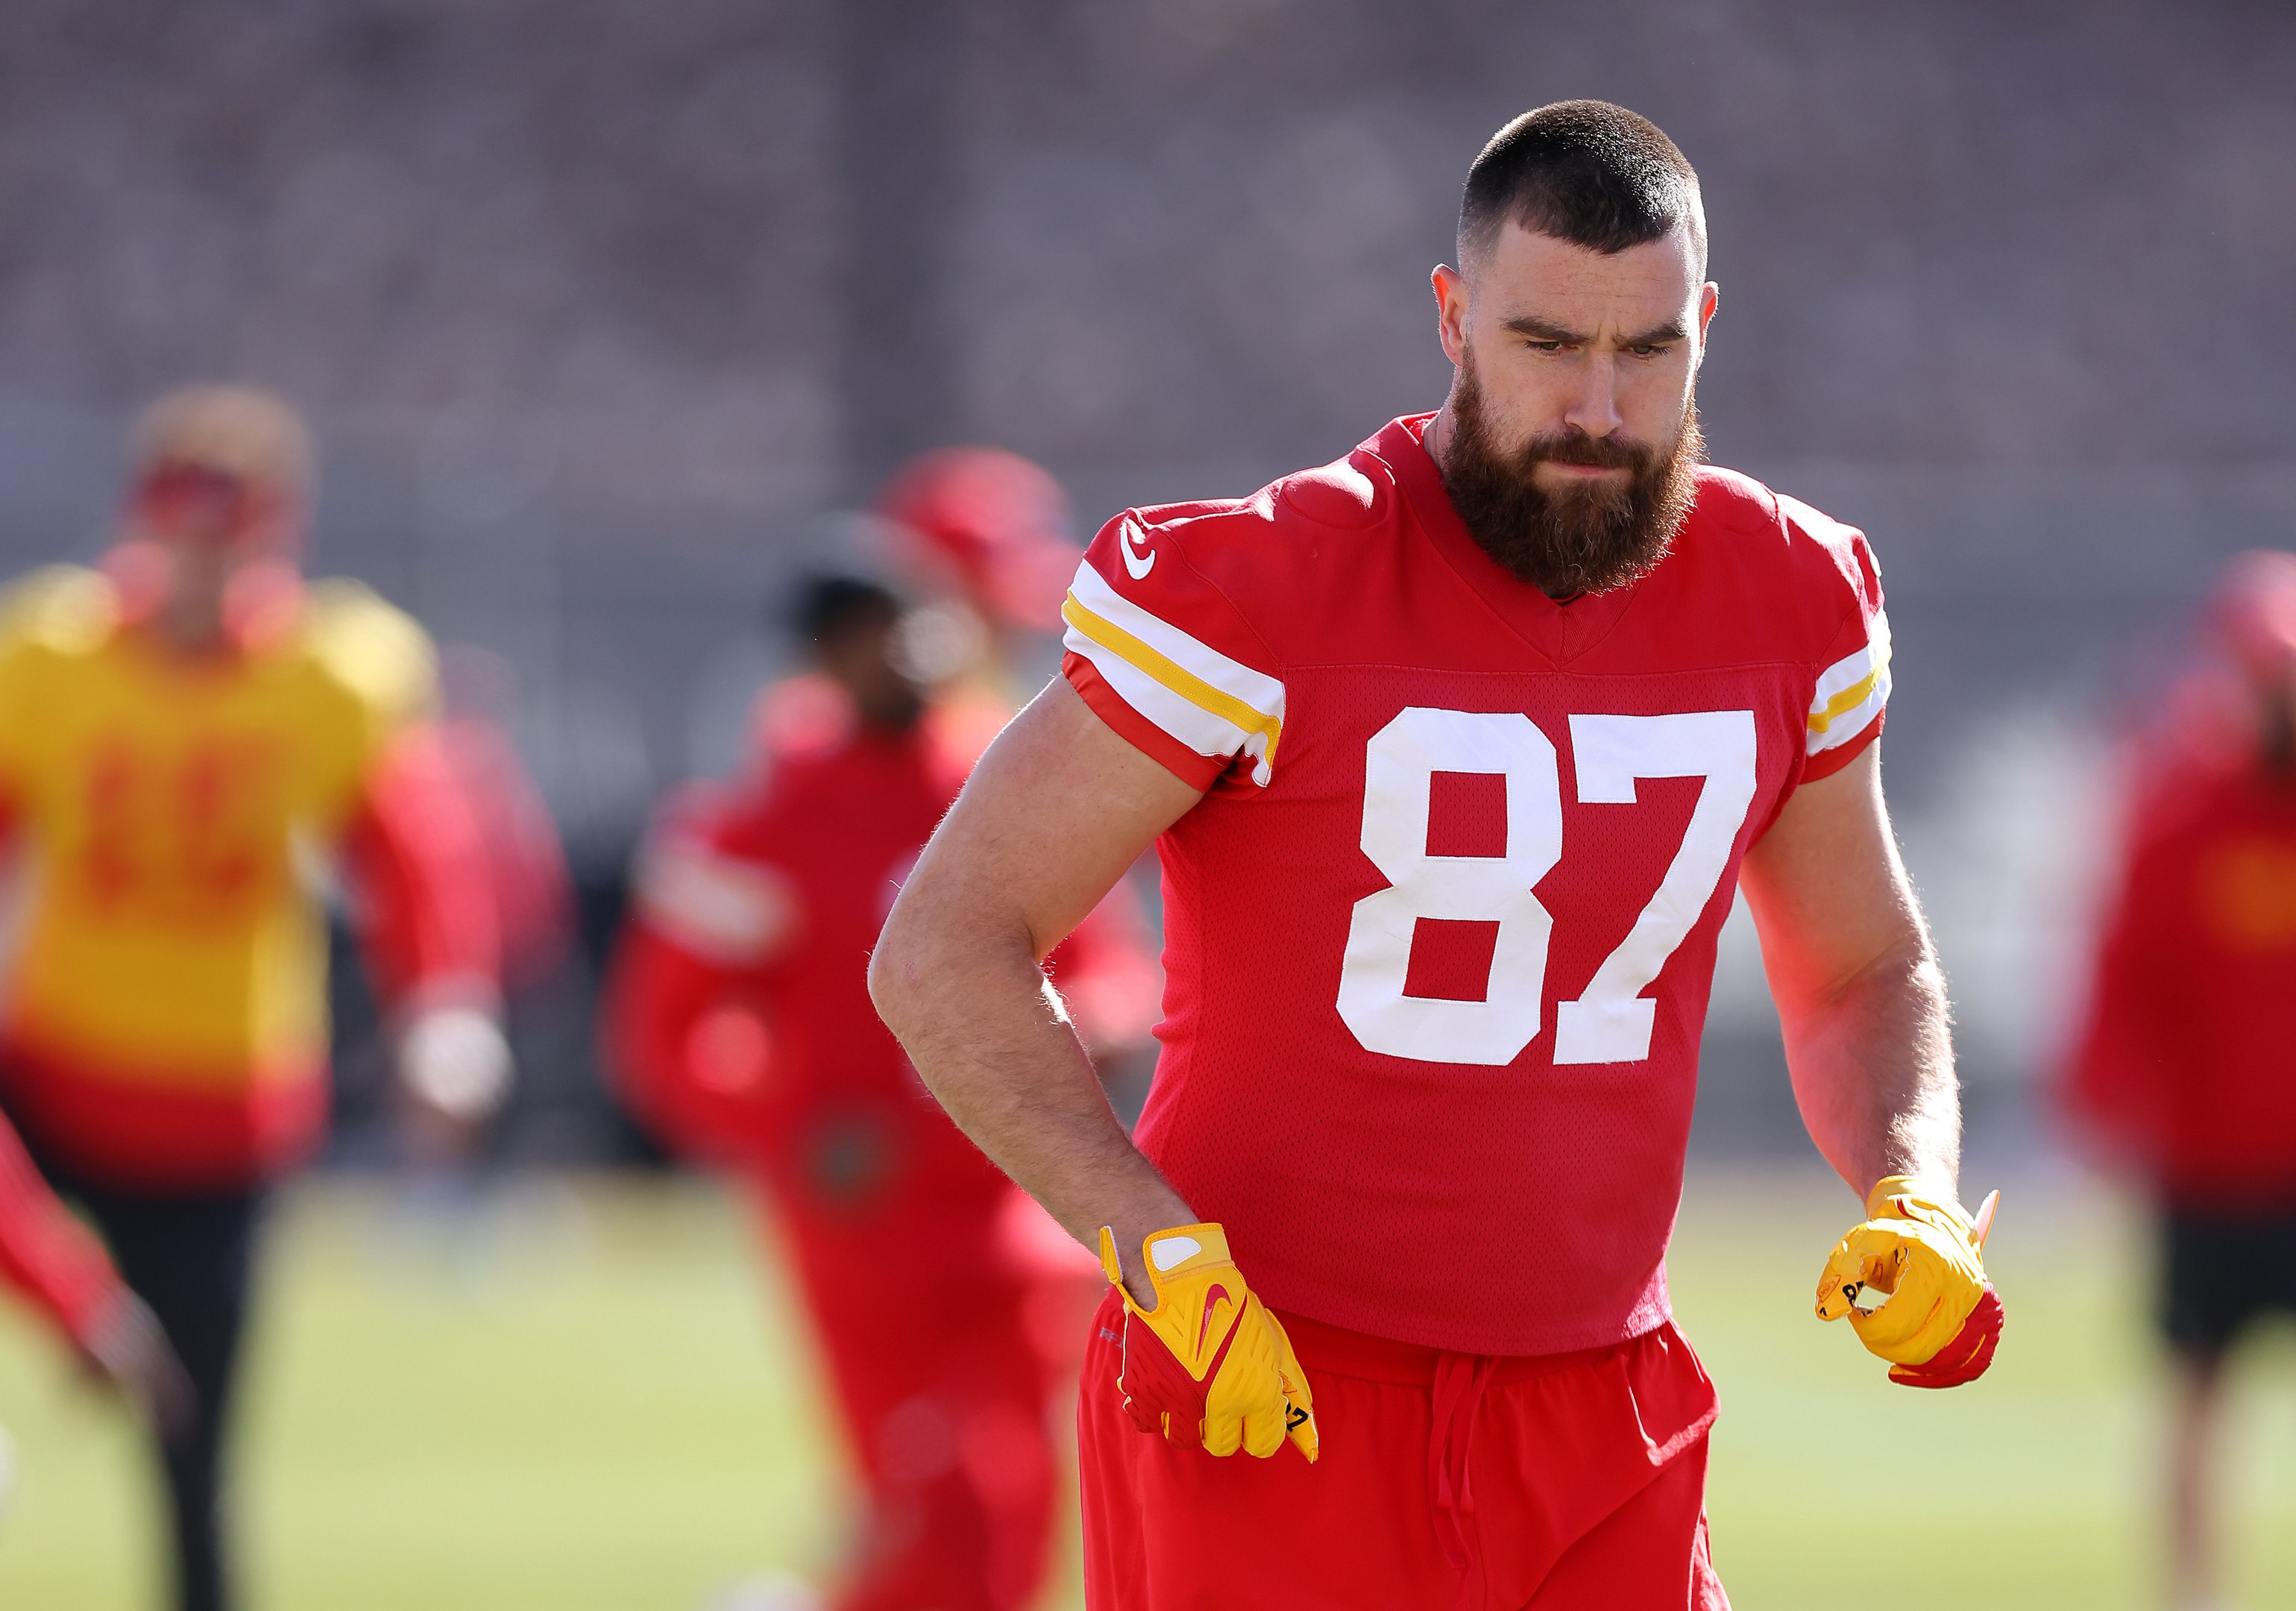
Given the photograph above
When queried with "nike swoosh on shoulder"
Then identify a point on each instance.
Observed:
(1137, 563)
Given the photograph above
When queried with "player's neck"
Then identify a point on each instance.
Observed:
(191, 629)
(1435, 436)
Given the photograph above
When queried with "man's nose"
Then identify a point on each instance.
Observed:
(1594, 403)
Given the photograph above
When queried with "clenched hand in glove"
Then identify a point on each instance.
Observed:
(1942, 1320)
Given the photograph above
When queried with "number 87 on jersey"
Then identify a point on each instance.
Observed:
(1610, 1021)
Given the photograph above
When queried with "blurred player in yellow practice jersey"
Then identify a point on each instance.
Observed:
(182, 732)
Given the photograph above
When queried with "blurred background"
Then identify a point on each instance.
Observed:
(603, 312)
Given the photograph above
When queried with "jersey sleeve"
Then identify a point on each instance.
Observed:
(1164, 657)
(1852, 692)
(707, 880)
(710, 919)
(425, 913)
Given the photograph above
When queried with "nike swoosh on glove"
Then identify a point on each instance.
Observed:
(1208, 1365)
(1942, 1320)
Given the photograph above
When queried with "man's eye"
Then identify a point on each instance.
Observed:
(1543, 346)
(1647, 351)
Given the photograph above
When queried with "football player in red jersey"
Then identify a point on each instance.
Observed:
(740, 1025)
(2185, 1072)
(1454, 750)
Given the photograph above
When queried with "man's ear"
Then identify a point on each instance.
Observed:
(1450, 287)
(1710, 298)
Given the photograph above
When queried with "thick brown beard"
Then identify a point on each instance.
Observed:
(1587, 538)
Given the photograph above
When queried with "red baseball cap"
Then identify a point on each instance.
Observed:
(1000, 523)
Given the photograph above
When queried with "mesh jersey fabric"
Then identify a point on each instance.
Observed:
(1440, 936)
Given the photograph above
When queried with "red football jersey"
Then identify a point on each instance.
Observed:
(739, 1012)
(741, 1003)
(1439, 937)
(2188, 1064)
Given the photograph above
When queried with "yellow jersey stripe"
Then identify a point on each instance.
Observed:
(1177, 679)
(1845, 702)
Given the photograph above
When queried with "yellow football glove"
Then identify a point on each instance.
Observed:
(1209, 1364)
(1942, 1320)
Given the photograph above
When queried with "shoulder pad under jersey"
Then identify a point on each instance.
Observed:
(374, 648)
(67, 608)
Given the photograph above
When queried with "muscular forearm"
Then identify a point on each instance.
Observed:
(992, 1044)
(1055, 812)
(1872, 1062)
(1858, 988)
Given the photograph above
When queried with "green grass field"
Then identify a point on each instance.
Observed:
(586, 1396)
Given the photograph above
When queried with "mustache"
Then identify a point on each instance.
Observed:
(1582, 536)
(1573, 446)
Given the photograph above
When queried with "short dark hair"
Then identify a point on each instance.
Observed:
(827, 606)
(1586, 172)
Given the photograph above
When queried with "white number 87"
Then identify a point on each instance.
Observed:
(1611, 1022)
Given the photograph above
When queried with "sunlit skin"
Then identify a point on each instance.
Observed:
(1565, 338)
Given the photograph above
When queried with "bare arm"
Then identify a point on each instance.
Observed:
(1856, 983)
(1055, 812)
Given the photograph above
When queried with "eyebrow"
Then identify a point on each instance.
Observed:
(1537, 329)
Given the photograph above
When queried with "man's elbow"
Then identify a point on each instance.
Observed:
(896, 967)
(923, 945)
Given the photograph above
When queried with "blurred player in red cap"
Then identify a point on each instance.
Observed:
(988, 527)
(741, 1024)
(2186, 1074)
(177, 732)
(1454, 750)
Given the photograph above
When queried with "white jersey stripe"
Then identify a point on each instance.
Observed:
(1852, 670)
(1216, 706)
(1232, 678)
(1848, 724)
(1851, 691)
(724, 911)
(1131, 669)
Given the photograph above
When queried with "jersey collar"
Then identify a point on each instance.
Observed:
(1559, 632)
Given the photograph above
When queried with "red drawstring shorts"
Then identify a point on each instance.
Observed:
(1552, 1483)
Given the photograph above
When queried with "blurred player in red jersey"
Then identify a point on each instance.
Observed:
(740, 1022)
(176, 731)
(2187, 1072)
(1454, 750)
